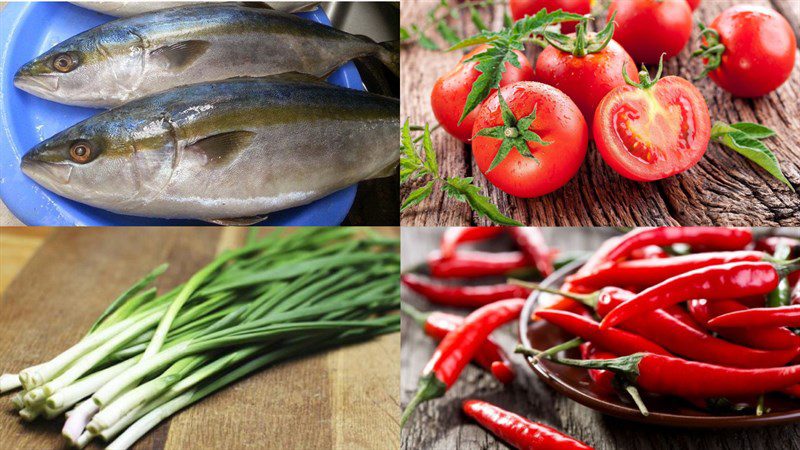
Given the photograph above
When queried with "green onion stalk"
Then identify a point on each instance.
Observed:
(148, 356)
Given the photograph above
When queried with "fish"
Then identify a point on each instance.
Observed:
(128, 9)
(229, 152)
(130, 58)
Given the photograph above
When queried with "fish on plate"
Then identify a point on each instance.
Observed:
(128, 9)
(228, 152)
(130, 58)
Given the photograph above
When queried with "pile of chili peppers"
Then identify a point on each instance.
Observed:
(465, 339)
(719, 321)
(707, 314)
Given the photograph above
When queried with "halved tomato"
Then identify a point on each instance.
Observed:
(653, 129)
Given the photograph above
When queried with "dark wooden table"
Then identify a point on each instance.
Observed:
(723, 189)
(439, 424)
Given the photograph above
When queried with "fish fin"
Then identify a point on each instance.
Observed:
(388, 53)
(238, 221)
(220, 148)
(181, 55)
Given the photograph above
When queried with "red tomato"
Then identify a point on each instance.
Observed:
(522, 8)
(648, 28)
(558, 121)
(759, 52)
(586, 79)
(693, 4)
(650, 133)
(450, 92)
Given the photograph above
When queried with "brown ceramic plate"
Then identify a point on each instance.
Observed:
(575, 383)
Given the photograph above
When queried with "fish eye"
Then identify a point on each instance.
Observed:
(80, 152)
(63, 62)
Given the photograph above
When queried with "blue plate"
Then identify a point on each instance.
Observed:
(30, 29)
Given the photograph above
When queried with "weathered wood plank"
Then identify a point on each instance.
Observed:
(723, 189)
(439, 424)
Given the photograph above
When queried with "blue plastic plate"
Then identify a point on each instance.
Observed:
(28, 30)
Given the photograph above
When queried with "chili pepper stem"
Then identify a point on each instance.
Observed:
(572, 343)
(760, 406)
(418, 316)
(588, 300)
(637, 399)
(429, 387)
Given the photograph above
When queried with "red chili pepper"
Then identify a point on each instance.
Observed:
(476, 264)
(454, 236)
(774, 338)
(724, 281)
(462, 296)
(613, 339)
(770, 244)
(458, 348)
(533, 245)
(646, 273)
(794, 391)
(602, 380)
(681, 338)
(795, 296)
(598, 257)
(437, 324)
(518, 431)
(649, 252)
(781, 316)
(707, 238)
(663, 374)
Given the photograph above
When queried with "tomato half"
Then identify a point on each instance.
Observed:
(759, 52)
(558, 121)
(648, 28)
(650, 133)
(522, 8)
(585, 79)
(450, 92)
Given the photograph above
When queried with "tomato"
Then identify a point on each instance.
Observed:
(758, 54)
(585, 79)
(522, 8)
(653, 129)
(693, 4)
(450, 92)
(558, 121)
(648, 28)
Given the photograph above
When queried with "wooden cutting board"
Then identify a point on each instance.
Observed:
(346, 398)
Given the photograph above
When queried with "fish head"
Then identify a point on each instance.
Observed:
(84, 70)
(100, 162)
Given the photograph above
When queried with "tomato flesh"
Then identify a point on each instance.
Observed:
(522, 8)
(651, 134)
(449, 94)
(558, 121)
(760, 48)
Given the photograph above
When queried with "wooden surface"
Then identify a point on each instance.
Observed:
(723, 189)
(345, 399)
(17, 245)
(439, 424)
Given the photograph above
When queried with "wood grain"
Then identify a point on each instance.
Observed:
(723, 189)
(343, 399)
(440, 425)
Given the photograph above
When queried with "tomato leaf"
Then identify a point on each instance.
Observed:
(423, 40)
(749, 146)
(404, 34)
(463, 189)
(417, 196)
(753, 130)
(507, 21)
(430, 155)
(447, 33)
(476, 19)
(492, 65)
(505, 149)
(494, 132)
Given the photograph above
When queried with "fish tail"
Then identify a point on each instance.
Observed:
(388, 53)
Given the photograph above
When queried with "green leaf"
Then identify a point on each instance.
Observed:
(404, 34)
(426, 43)
(491, 64)
(476, 19)
(507, 21)
(406, 173)
(508, 116)
(407, 145)
(753, 130)
(430, 154)
(755, 151)
(473, 41)
(494, 132)
(479, 203)
(417, 196)
(447, 33)
(525, 123)
(505, 149)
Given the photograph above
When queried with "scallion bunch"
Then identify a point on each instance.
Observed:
(148, 355)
